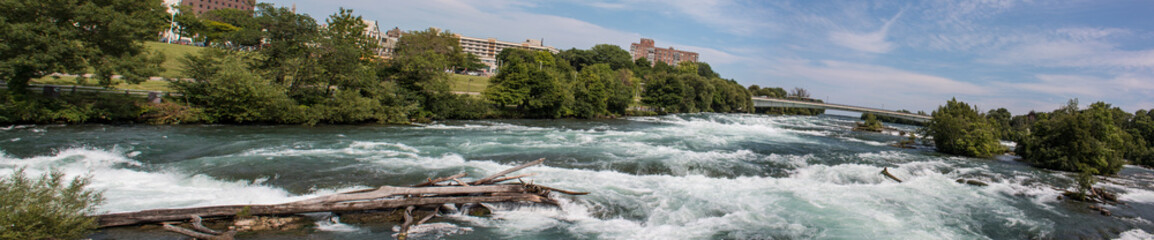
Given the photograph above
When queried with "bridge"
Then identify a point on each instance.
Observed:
(778, 102)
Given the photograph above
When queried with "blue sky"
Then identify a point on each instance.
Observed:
(916, 55)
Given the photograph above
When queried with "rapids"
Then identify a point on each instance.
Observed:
(691, 176)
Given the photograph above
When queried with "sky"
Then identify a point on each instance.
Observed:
(914, 55)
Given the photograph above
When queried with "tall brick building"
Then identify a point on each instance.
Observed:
(670, 56)
(202, 6)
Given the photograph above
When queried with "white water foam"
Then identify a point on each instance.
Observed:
(817, 201)
(1135, 234)
(127, 188)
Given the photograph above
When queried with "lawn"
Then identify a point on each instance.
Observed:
(466, 83)
(172, 54)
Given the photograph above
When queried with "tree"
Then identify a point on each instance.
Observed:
(530, 80)
(613, 55)
(287, 54)
(959, 129)
(246, 32)
(223, 81)
(1141, 127)
(344, 53)
(46, 208)
(704, 70)
(1000, 118)
(668, 93)
(42, 37)
(1077, 140)
(799, 93)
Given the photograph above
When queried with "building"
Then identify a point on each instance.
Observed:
(487, 48)
(385, 40)
(171, 35)
(389, 47)
(203, 6)
(670, 56)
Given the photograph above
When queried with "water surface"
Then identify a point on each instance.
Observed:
(695, 176)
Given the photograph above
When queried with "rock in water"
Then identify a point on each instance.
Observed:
(435, 230)
(972, 182)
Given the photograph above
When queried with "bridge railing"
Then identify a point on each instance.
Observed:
(845, 107)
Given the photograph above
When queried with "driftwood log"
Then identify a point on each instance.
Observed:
(440, 191)
(886, 172)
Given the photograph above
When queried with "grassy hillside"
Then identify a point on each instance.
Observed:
(172, 54)
(466, 83)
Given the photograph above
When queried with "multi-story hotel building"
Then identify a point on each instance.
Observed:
(670, 56)
(203, 6)
(487, 48)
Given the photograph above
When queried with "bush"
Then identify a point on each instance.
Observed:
(959, 129)
(871, 124)
(46, 208)
(68, 108)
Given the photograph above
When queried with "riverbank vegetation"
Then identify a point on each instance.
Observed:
(275, 66)
(798, 94)
(890, 119)
(48, 207)
(1097, 140)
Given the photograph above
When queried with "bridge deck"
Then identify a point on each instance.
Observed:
(778, 102)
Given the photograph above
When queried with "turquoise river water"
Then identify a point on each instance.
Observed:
(695, 176)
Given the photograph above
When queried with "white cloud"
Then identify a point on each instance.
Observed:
(873, 42)
(1124, 88)
(735, 17)
(1072, 47)
(1062, 85)
(876, 79)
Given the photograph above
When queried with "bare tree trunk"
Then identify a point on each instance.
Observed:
(385, 197)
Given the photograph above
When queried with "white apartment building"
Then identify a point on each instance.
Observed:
(487, 48)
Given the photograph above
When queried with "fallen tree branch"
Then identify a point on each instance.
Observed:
(388, 191)
(507, 171)
(441, 179)
(426, 194)
(196, 225)
(886, 171)
(201, 232)
(159, 215)
(511, 178)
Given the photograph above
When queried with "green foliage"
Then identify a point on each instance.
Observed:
(959, 129)
(1141, 127)
(871, 124)
(68, 36)
(608, 54)
(172, 113)
(898, 120)
(531, 81)
(1000, 118)
(69, 108)
(46, 208)
(1084, 184)
(757, 91)
(778, 92)
(231, 91)
(669, 94)
(1078, 140)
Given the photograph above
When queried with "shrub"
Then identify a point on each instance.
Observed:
(46, 208)
(871, 124)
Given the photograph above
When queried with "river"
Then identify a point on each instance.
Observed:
(690, 176)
